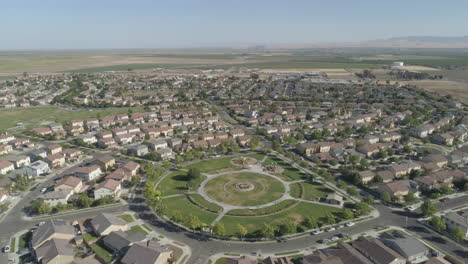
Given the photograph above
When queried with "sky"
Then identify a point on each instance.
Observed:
(116, 24)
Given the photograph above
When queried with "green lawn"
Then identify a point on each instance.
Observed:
(127, 218)
(314, 191)
(33, 116)
(88, 237)
(182, 206)
(138, 228)
(290, 173)
(296, 190)
(221, 163)
(200, 201)
(296, 213)
(174, 183)
(222, 189)
(283, 205)
(12, 244)
(101, 251)
(24, 240)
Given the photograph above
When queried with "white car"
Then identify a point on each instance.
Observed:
(40, 223)
(6, 249)
(331, 229)
(318, 231)
(335, 238)
(350, 224)
(43, 190)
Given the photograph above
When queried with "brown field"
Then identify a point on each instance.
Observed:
(458, 90)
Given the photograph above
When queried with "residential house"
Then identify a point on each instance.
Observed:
(55, 251)
(138, 150)
(88, 139)
(56, 197)
(455, 220)
(241, 260)
(5, 149)
(158, 143)
(407, 246)
(439, 159)
(396, 189)
(72, 155)
(319, 257)
(131, 167)
(105, 162)
(104, 223)
(165, 153)
(366, 176)
(106, 143)
(147, 253)
(37, 168)
(443, 139)
(347, 254)
(88, 173)
(377, 252)
(119, 175)
(53, 149)
(43, 131)
(70, 183)
(20, 161)
(37, 154)
(55, 160)
(5, 139)
(108, 187)
(52, 229)
(119, 242)
(6, 166)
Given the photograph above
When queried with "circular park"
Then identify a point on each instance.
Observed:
(253, 196)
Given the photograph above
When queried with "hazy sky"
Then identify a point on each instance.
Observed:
(87, 24)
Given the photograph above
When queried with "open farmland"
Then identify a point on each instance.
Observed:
(458, 90)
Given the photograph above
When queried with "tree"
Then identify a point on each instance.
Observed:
(445, 189)
(385, 196)
(458, 234)
(352, 190)
(242, 231)
(362, 208)
(310, 222)
(428, 208)
(369, 199)
(341, 184)
(84, 201)
(40, 207)
(287, 227)
(330, 219)
(438, 223)
(219, 229)
(267, 230)
(193, 174)
(410, 198)
(193, 222)
(348, 214)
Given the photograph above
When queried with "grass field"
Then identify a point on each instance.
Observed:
(296, 213)
(31, 116)
(24, 240)
(200, 201)
(182, 206)
(290, 173)
(174, 183)
(266, 189)
(127, 218)
(220, 163)
(138, 228)
(314, 191)
(457, 90)
(283, 205)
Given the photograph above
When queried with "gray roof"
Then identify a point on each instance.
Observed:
(405, 245)
(60, 194)
(53, 248)
(144, 253)
(348, 254)
(119, 240)
(375, 250)
(103, 221)
(49, 228)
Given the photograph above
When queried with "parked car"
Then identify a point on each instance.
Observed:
(334, 238)
(43, 190)
(40, 223)
(324, 241)
(350, 224)
(330, 229)
(435, 253)
(318, 231)
(6, 249)
(444, 199)
(343, 235)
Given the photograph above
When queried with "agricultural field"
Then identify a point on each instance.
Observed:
(457, 90)
(35, 115)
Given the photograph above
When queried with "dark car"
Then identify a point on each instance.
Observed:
(444, 199)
